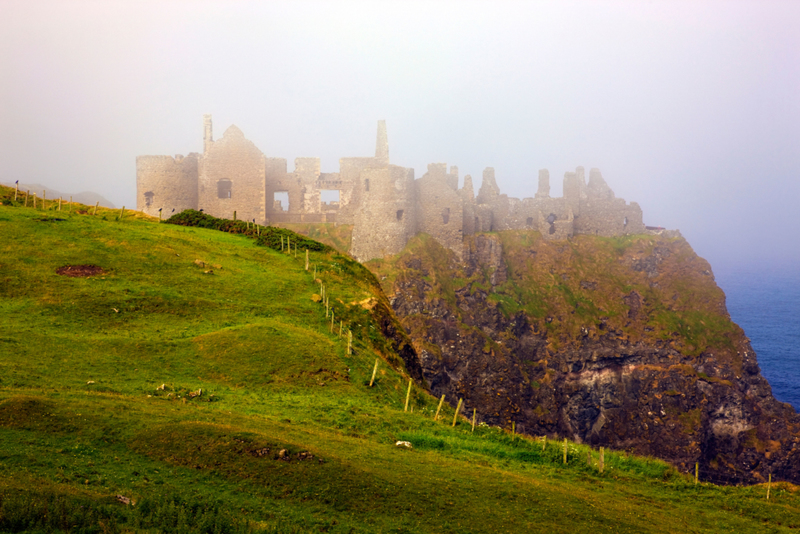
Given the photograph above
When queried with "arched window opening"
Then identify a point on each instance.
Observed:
(551, 219)
(529, 221)
(446, 215)
(399, 215)
(148, 199)
(224, 188)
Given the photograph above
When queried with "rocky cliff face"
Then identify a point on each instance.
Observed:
(621, 342)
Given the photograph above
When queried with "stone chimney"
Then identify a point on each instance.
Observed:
(544, 184)
(382, 143)
(208, 135)
(489, 189)
(468, 190)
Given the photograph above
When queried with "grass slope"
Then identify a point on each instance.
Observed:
(198, 377)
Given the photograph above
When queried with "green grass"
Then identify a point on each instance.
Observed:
(99, 383)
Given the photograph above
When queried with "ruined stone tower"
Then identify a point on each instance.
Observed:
(386, 201)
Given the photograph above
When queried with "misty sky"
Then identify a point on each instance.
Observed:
(691, 109)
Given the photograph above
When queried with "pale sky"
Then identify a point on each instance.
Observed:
(691, 108)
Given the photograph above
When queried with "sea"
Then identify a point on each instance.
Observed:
(766, 304)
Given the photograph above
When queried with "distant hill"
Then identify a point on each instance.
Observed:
(84, 197)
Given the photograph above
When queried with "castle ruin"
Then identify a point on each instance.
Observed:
(385, 203)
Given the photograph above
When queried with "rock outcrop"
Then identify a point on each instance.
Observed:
(622, 342)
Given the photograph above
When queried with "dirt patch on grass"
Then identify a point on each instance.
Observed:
(33, 413)
(80, 271)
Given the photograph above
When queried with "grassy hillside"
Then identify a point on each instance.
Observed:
(197, 376)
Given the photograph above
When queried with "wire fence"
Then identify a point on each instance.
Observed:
(360, 354)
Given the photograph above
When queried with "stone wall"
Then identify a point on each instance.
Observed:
(386, 218)
(439, 208)
(232, 178)
(384, 203)
(166, 183)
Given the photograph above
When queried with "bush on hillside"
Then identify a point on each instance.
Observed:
(268, 236)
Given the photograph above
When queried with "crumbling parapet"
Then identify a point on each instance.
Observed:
(452, 178)
(597, 187)
(489, 189)
(383, 201)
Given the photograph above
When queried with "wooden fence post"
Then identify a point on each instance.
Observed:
(441, 401)
(589, 457)
(769, 483)
(59, 203)
(374, 372)
(696, 472)
(341, 325)
(565, 451)
(408, 394)
(544, 442)
(306, 259)
(281, 243)
(513, 430)
(349, 342)
(602, 461)
(458, 409)
(95, 208)
(473, 419)
(70, 207)
(27, 194)
(121, 213)
(34, 201)
(44, 199)
(16, 190)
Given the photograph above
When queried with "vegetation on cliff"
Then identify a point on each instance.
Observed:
(193, 384)
(620, 342)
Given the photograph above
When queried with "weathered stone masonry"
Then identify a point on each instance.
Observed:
(385, 203)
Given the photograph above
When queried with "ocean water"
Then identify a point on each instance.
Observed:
(766, 304)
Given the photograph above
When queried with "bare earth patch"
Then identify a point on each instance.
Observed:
(77, 271)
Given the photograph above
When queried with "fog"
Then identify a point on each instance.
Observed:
(691, 109)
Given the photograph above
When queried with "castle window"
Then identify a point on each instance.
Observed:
(446, 215)
(329, 198)
(529, 221)
(148, 199)
(280, 201)
(224, 188)
(625, 222)
(399, 215)
(366, 184)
